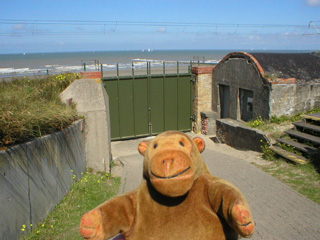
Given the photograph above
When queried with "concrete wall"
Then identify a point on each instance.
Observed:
(236, 134)
(35, 176)
(92, 102)
(239, 73)
(289, 99)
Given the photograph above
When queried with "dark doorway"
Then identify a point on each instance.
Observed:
(224, 92)
(246, 104)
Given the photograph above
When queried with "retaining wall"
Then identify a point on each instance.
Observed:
(237, 135)
(291, 99)
(35, 176)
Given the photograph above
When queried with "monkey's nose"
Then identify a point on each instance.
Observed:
(168, 163)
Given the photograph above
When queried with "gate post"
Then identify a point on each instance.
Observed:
(202, 92)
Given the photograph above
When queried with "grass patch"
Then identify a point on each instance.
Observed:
(303, 178)
(64, 221)
(31, 108)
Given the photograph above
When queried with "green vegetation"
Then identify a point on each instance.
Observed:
(257, 123)
(31, 108)
(289, 148)
(267, 153)
(64, 221)
(303, 178)
(275, 126)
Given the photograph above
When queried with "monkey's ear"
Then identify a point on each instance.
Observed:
(143, 147)
(200, 144)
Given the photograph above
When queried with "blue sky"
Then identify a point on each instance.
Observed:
(141, 24)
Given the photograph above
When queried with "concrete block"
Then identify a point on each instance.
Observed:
(238, 135)
(92, 102)
(208, 120)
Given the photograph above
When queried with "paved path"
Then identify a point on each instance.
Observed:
(280, 212)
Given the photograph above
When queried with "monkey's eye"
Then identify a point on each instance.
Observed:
(155, 145)
(181, 143)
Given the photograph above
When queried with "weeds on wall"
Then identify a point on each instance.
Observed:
(31, 108)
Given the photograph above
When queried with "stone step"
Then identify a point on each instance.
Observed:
(299, 146)
(313, 116)
(308, 126)
(303, 136)
(289, 155)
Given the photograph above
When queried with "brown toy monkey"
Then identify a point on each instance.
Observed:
(178, 199)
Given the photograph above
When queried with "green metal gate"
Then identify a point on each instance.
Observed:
(149, 104)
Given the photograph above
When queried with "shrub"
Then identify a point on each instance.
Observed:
(257, 123)
(281, 119)
(267, 153)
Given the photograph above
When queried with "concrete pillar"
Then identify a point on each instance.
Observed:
(92, 102)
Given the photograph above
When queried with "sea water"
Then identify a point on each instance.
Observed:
(52, 63)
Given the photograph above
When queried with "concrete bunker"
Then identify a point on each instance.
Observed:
(247, 86)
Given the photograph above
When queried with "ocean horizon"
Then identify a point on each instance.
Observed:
(21, 64)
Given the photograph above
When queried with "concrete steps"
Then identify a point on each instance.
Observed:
(308, 127)
(289, 155)
(305, 138)
(299, 146)
(314, 117)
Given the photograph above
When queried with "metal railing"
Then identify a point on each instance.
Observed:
(145, 68)
(135, 68)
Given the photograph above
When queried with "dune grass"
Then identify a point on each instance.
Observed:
(31, 108)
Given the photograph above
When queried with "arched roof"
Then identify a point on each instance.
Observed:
(303, 67)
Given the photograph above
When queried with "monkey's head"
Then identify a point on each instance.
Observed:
(172, 162)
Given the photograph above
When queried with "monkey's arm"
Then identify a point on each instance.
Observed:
(110, 218)
(231, 204)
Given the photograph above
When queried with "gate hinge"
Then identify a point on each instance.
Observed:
(193, 80)
(193, 118)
